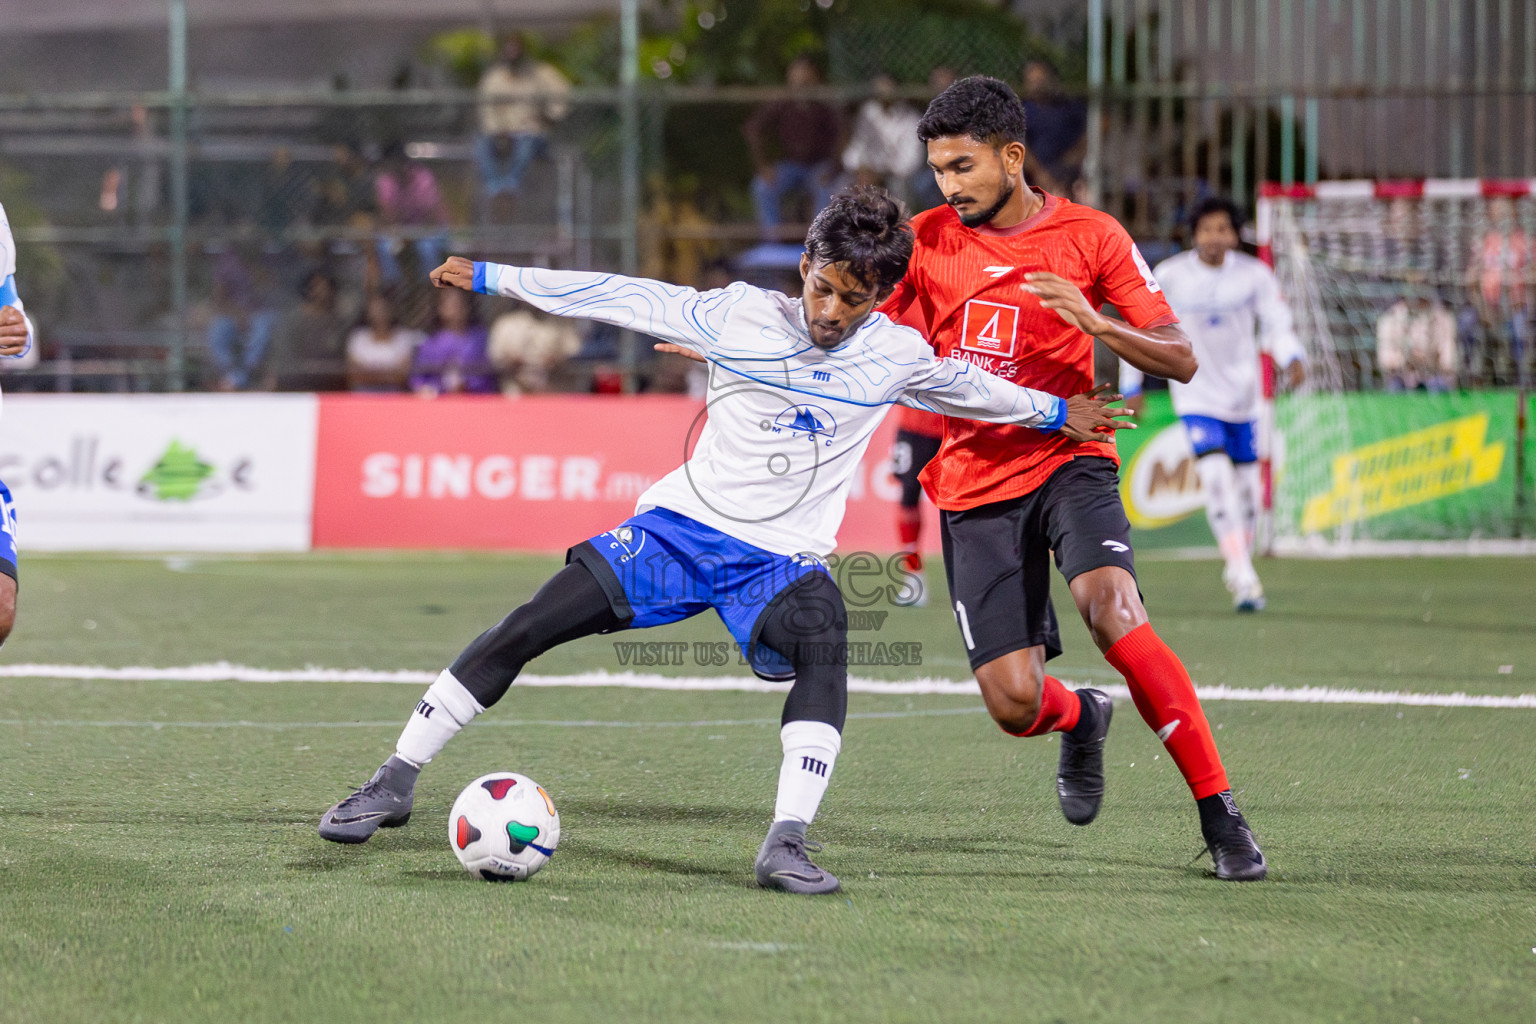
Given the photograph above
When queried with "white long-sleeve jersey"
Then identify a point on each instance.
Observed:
(8, 294)
(787, 421)
(1231, 314)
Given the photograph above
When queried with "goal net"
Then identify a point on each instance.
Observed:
(1414, 301)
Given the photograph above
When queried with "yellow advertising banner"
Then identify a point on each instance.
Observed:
(1406, 470)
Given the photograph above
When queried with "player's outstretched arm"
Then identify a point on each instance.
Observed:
(1277, 329)
(15, 332)
(15, 328)
(682, 316)
(957, 388)
(1161, 351)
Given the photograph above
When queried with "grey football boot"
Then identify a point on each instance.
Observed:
(384, 801)
(782, 862)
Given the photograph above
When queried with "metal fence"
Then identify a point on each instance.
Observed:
(1194, 96)
(145, 220)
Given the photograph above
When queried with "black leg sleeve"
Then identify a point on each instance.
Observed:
(808, 625)
(569, 606)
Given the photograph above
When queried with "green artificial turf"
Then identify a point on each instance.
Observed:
(158, 859)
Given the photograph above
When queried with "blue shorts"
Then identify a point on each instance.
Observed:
(659, 567)
(7, 532)
(1208, 434)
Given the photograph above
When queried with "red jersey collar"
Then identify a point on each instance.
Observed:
(1051, 202)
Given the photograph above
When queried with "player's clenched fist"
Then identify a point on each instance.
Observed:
(456, 272)
(13, 331)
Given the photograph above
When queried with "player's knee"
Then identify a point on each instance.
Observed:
(1012, 694)
(1114, 612)
(7, 607)
(809, 627)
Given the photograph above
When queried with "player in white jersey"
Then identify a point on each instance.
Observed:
(15, 339)
(1230, 306)
(797, 389)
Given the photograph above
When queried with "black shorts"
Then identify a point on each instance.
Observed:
(996, 556)
(909, 455)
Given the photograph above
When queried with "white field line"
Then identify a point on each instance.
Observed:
(224, 672)
(503, 723)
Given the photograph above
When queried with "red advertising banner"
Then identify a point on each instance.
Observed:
(537, 473)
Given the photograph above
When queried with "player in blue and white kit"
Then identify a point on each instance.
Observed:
(1230, 306)
(15, 340)
(797, 390)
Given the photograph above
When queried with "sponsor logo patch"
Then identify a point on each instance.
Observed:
(990, 328)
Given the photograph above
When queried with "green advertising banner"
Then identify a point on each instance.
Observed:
(1356, 466)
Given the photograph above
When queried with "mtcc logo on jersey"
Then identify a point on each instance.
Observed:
(810, 420)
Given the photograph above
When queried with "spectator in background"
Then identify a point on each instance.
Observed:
(136, 185)
(287, 197)
(408, 198)
(520, 100)
(453, 359)
(794, 144)
(1416, 345)
(1055, 131)
(380, 349)
(346, 191)
(883, 148)
(309, 344)
(240, 329)
(674, 233)
(1499, 273)
(925, 188)
(526, 349)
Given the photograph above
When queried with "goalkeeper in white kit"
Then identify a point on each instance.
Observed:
(1230, 306)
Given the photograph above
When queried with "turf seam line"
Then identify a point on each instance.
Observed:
(219, 672)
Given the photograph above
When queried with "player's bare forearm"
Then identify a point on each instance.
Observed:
(1295, 374)
(1091, 415)
(456, 272)
(13, 331)
(1161, 351)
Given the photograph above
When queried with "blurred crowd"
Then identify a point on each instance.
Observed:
(351, 308)
(319, 279)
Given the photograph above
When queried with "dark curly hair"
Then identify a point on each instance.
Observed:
(866, 230)
(980, 108)
(1217, 204)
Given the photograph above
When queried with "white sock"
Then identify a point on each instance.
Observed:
(1218, 479)
(810, 751)
(1249, 496)
(443, 710)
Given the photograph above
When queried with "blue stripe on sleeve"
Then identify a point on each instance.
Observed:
(8, 295)
(1058, 417)
(479, 284)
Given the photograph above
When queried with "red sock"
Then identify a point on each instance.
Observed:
(1166, 699)
(1059, 710)
(909, 526)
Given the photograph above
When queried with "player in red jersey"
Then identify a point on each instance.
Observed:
(1012, 279)
(918, 434)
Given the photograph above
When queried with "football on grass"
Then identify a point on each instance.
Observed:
(504, 827)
